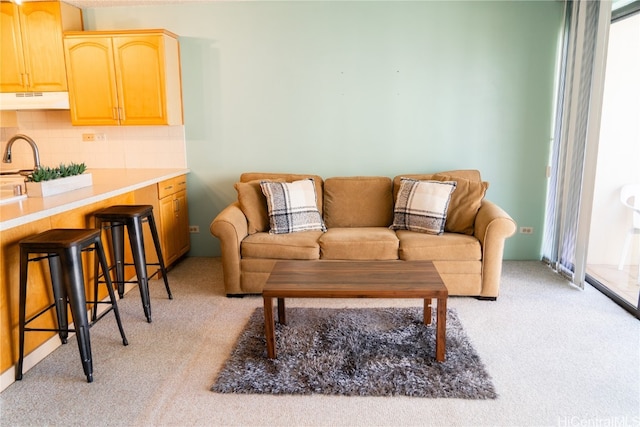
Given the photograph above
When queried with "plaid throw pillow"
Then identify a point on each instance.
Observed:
(422, 205)
(292, 206)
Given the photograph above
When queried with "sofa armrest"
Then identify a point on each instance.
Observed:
(492, 227)
(230, 227)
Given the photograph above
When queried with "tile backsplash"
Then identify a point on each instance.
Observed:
(60, 142)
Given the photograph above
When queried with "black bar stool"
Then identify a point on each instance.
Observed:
(64, 249)
(132, 216)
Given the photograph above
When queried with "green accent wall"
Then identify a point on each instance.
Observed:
(342, 88)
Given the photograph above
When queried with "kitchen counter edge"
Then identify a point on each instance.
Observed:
(106, 183)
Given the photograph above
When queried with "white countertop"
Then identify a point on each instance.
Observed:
(106, 183)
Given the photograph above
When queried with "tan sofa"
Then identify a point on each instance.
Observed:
(358, 212)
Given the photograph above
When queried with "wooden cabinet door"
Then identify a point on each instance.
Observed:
(32, 52)
(139, 62)
(92, 83)
(174, 218)
(183, 241)
(124, 78)
(12, 71)
(41, 25)
(167, 221)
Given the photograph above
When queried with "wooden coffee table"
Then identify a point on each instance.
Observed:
(355, 279)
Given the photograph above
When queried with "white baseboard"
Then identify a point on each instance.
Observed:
(8, 377)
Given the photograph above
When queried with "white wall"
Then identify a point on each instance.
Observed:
(60, 142)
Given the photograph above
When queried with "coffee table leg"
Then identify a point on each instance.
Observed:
(269, 331)
(441, 330)
(427, 311)
(282, 319)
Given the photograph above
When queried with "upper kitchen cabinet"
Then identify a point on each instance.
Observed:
(124, 77)
(32, 52)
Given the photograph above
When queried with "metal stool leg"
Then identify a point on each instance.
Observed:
(96, 275)
(117, 240)
(96, 282)
(102, 260)
(139, 259)
(24, 262)
(73, 279)
(60, 296)
(156, 243)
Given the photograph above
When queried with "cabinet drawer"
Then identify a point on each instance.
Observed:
(172, 186)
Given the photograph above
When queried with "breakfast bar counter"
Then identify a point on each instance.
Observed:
(164, 189)
(106, 183)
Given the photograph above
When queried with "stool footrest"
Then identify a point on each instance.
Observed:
(104, 313)
(157, 272)
(48, 330)
(44, 310)
(40, 313)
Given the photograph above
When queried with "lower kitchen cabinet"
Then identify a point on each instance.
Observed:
(174, 218)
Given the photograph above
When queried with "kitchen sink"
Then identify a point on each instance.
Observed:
(8, 186)
(16, 173)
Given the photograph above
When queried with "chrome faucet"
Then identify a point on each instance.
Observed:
(32, 143)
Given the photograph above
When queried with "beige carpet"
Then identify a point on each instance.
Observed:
(557, 356)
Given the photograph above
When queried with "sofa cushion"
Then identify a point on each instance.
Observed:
(361, 243)
(470, 174)
(422, 205)
(465, 200)
(287, 177)
(253, 205)
(358, 201)
(465, 203)
(292, 206)
(428, 247)
(302, 245)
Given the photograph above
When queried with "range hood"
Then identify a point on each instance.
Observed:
(34, 101)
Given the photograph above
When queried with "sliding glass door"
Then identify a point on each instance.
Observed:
(613, 252)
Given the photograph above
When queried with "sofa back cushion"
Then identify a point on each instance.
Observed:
(465, 203)
(286, 177)
(470, 174)
(358, 201)
(254, 205)
(465, 200)
(253, 202)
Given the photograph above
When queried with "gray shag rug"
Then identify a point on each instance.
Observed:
(355, 352)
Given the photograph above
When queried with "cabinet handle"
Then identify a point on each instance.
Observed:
(176, 206)
(114, 113)
(121, 110)
(168, 187)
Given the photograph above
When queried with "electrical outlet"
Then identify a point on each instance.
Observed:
(100, 137)
(194, 229)
(526, 230)
(88, 136)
